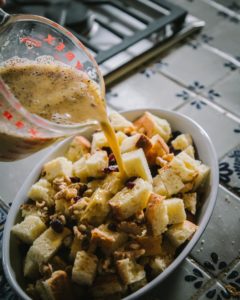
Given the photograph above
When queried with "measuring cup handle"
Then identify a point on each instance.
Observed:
(3, 16)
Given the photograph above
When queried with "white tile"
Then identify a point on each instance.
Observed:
(221, 129)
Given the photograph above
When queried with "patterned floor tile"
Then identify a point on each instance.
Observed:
(214, 122)
(194, 66)
(147, 89)
(220, 243)
(215, 292)
(226, 92)
(188, 279)
(232, 280)
(229, 169)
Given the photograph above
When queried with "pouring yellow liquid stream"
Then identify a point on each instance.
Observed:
(60, 94)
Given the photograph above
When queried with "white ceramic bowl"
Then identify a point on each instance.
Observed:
(12, 260)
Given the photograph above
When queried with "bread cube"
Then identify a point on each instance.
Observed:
(135, 164)
(119, 123)
(62, 206)
(190, 151)
(75, 247)
(175, 209)
(159, 263)
(121, 136)
(47, 244)
(80, 169)
(29, 229)
(30, 267)
(203, 174)
(129, 271)
(84, 268)
(99, 140)
(57, 167)
(158, 186)
(156, 215)
(107, 239)
(179, 233)
(113, 183)
(151, 244)
(182, 141)
(129, 143)
(152, 125)
(159, 148)
(41, 191)
(106, 285)
(57, 287)
(78, 147)
(96, 163)
(98, 208)
(127, 202)
(185, 166)
(190, 202)
(172, 182)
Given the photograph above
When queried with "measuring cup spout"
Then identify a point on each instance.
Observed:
(3, 16)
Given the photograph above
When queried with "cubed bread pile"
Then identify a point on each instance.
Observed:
(89, 233)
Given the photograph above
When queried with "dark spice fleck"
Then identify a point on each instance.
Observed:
(82, 189)
(129, 182)
(57, 225)
(107, 149)
(112, 160)
(110, 169)
(75, 179)
(112, 226)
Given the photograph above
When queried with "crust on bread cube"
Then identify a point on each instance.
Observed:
(107, 239)
(190, 202)
(41, 191)
(57, 167)
(185, 166)
(159, 263)
(203, 174)
(151, 244)
(119, 123)
(113, 183)
(127, 202)
(99, 140)
(173, 182)
(96, 163)
(158, 186)
(179, 233)
(135, 164)
(29, 229)
(77, 148)
(75, 247)
(57, 287)
(97, 208)
(129, 271)
(80, 168)
(47, 244)
(106, 285)
(175, 209)
(151, 125)
(156, 215)
(159, 148)
(84, 268)
(182, 141)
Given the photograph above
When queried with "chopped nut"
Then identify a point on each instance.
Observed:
(129, 254)
(46, 270)
(161, 162)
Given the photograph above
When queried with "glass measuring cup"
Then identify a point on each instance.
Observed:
(35, 38)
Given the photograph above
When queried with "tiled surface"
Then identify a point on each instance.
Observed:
(221, 129)
(220, 243)
(173, 82)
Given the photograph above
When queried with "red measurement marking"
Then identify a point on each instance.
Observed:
(33, 131)
(31, 42)
(55, 24)
(19, 124)
(70, 34)
(69, 55)
(49, 39)
(60, 47)
(78, 66)
(7, 115)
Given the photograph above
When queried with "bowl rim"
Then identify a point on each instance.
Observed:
(177, 261)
